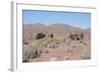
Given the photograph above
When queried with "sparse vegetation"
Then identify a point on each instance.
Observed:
(55, 46)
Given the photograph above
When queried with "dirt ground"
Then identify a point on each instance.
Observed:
(58, 48)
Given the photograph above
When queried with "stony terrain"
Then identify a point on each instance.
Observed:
(56, 42)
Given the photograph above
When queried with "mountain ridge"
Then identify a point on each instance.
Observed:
(56, 27)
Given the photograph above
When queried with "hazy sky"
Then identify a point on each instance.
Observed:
(82, 20)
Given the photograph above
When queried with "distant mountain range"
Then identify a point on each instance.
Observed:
(30, 29)
(54, 28)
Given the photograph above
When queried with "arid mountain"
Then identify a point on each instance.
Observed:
(57, 27)
(30, 29)
(38, 27)
(63, 28)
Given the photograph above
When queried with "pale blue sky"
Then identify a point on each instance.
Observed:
(82, 20)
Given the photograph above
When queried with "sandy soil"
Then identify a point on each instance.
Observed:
(59, 48)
